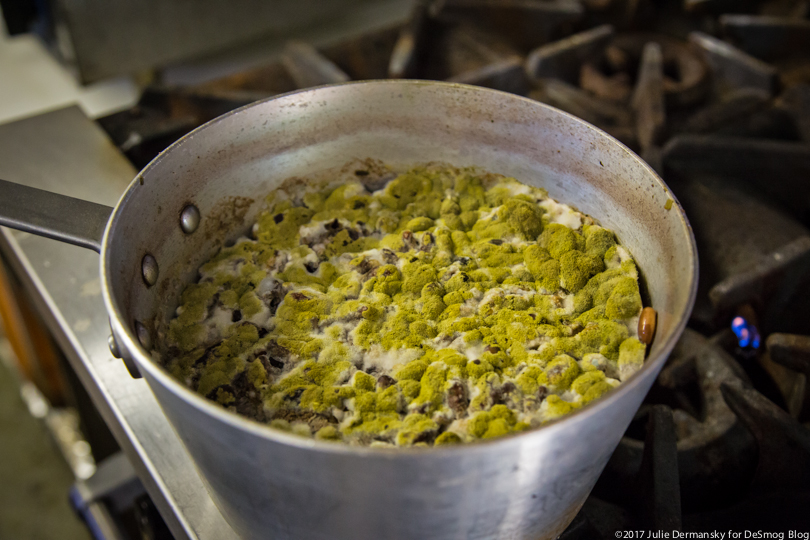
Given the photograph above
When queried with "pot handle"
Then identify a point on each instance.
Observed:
(48, 214)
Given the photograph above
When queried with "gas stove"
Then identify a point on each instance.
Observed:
(715, 95)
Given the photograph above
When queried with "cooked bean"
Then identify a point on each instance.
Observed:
(646, 325)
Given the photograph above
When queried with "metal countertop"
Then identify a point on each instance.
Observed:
(65, 152)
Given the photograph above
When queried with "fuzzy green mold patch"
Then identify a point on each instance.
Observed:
(442, 307)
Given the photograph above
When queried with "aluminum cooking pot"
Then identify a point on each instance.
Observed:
(210, 185)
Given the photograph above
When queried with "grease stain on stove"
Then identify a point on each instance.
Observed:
(22, 236)
(91, 288)
(82, 325)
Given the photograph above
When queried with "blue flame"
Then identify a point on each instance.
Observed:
(747, 334)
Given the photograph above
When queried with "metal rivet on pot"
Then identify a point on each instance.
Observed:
(149, 270)
(189, 219)
(144, 337)
(114, 350)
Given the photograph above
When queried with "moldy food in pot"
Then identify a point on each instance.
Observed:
(444, 306)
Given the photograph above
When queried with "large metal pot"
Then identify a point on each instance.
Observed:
(270, 484)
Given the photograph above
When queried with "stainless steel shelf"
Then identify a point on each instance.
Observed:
(65, 152)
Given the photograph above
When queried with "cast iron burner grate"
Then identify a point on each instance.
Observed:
(715, 95)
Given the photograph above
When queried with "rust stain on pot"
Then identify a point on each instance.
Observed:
(227, 216)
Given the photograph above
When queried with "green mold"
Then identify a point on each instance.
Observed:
(414, 315)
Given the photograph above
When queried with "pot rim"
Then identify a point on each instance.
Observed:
(158, 372)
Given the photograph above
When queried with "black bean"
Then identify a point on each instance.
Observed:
(277, 351)
(207, 354)
(315, 420)
(278, 218)
(278, 364)
(364, 266)
(236, 316)
(248, 402)
(457, 398)
(426, 437)
(275, 297)
(389, 256)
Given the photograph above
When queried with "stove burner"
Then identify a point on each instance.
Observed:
(715, 454)
(526, 24)
(784, 444)
(408, 47)
(308, 67)
(773, 39)
(563, 59)
(767, 281)
(792, 353)
(780, 489)
(648, 101)
(732, 67)
(747, 333)
(686, 76)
